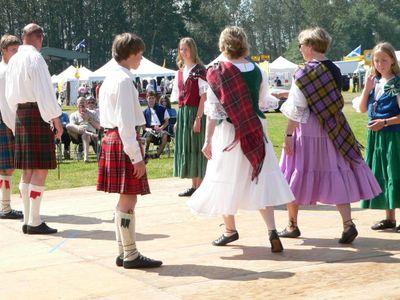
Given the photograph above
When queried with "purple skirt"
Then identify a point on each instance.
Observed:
(317, 172)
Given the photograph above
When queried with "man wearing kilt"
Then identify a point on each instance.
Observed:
(121, 166)
(9, 46)
(30, 95)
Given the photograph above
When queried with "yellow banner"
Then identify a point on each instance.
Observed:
(265, 57)
(361, 57)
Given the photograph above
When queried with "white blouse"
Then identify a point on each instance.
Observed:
(295, 107)
(7, 115)
(119, 107)
(203, 85)
(214, 109)
(28, 80)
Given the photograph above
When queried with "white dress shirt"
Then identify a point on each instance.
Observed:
(6, 113)
(119, 107)
(28, 80)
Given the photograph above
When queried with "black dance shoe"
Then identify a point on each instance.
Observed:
(290, 234)
(276, 245)
(41, 229)
(119, 261)
(349, 236)
(384, 224)
(142, 262)
(187, 193)
(25, 229)
(12, 214)
(223, 239)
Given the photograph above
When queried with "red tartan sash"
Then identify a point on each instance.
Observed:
(231, 89)
(325, 100)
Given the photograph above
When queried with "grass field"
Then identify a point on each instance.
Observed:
(74, 173)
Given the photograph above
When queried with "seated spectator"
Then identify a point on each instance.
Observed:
(82, 127)
(65, 138)
(157, 120)
(164, 101)
(92, 105)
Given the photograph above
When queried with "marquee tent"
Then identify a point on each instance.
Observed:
(347, 67)
(282, 65)
(146, 69)
(69, 74)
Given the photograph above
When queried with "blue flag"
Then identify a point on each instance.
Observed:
(355, 52)
(81, 45)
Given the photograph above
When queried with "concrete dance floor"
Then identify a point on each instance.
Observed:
(78, 262)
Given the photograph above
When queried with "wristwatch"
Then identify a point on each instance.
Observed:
(385, 123)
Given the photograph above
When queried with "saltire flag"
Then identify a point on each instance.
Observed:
(81, 45)
(355, 52)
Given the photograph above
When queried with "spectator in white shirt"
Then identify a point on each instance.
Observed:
(82, 127)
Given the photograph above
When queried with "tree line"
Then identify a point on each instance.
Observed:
(272, 25)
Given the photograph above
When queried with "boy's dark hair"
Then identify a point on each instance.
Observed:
(151, 94)
(126, 44)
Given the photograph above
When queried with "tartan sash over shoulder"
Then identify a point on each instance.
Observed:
(231, 89)
(326, 101)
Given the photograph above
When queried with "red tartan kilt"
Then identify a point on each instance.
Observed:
(34, 140)
(116, 169)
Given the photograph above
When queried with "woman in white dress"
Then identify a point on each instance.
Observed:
(242, 170)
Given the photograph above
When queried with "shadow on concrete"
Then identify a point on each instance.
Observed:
(217, 273)
(104, 235)
(75, 219)
(326, 250)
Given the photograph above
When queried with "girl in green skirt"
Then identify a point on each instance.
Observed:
(189, 89)
(381, 98)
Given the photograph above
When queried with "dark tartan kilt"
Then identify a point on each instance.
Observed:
(116, 169)
(34, 140)
(6, 147)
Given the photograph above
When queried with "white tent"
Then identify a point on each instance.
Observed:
(146, 69)
(282, 68)
(69, 74)
(102, 72)
(282, 65)
(347, 67)
(149, 69)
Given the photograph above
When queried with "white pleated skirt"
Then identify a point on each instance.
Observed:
(227, 186)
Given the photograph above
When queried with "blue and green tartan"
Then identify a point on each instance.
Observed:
(6, 147)
(325, 100)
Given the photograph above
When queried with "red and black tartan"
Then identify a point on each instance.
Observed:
(116, 169)
(231, 89)
(34, 140)
(6, 147)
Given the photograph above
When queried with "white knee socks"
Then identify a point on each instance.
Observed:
(5, 193)
(35, 198)
(24, 191)
(118, 235)
(126, 226)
